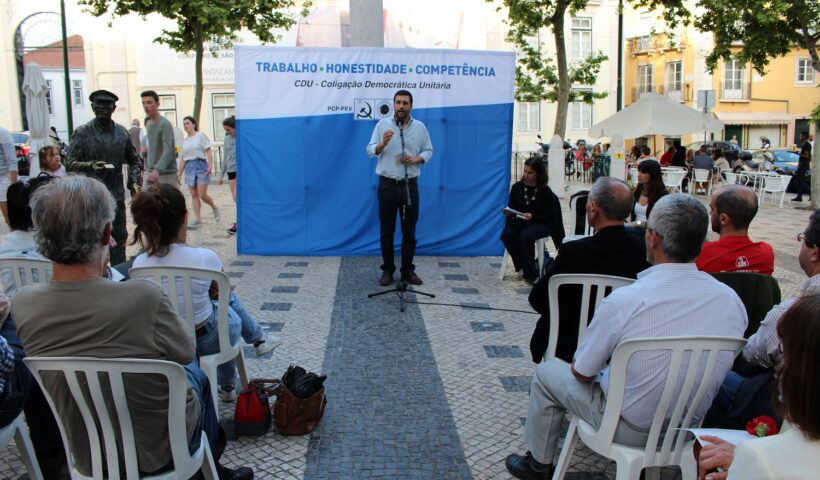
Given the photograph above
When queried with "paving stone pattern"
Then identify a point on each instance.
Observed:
(387, 415)
(412, 395)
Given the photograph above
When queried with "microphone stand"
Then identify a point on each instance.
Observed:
(401, 286)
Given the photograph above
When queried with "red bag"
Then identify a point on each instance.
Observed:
(252, 415)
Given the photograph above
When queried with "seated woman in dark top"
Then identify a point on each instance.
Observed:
(649, 190)
(532, 197)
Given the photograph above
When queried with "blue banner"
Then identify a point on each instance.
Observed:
(305, 183)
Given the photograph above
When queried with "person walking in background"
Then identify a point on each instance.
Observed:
(198, 159)
(8, 168)
(160, 161)
(801, 176)
(140, 145)
(229, 160)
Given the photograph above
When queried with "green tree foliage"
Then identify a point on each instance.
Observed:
(755, 31)
(201, 22)
(541, 78)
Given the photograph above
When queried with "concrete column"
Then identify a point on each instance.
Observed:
(617, 159)
(366, 23)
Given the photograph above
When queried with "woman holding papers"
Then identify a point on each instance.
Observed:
(528, 217)
(793, 453)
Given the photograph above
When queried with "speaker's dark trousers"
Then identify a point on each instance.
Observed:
(392, 198)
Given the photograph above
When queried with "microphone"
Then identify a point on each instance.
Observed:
(399, 122)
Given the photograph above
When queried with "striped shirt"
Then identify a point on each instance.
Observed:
(763, 346)
(667, 300)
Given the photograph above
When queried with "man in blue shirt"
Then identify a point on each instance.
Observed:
(402, 144)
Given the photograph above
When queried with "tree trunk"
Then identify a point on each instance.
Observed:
(563, 70)
(200, 50)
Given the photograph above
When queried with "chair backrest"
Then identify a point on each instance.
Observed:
(731, 178)
(577, 207)
(701, 174)
(604, 285)
(785, 180)
(674, 178)
(773, 184)
(177, 281)
(692, 363)
(84, 374)
(758, 292)
(25, 271)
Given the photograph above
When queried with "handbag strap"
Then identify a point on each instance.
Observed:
(271, 386)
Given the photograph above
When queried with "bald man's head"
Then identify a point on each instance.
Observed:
(737, 202)
(614, 198)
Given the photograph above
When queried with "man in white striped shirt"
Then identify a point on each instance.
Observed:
(671, 298)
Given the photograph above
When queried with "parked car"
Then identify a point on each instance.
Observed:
(731, 151)
(22, 148)
(783, 161)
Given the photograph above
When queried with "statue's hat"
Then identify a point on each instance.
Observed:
(103, 95)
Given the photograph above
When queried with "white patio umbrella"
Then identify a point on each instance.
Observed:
(654, 114)
(35, 88)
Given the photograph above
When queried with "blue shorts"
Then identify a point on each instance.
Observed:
(196, 172)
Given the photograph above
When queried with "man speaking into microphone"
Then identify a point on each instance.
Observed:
(402, 145)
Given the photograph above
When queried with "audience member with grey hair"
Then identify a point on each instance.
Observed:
(82, 314)
(669, 299)
(732, 209)
(608, 205)
(71, 217)
(679, 228)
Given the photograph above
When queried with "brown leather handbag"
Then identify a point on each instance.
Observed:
(296, 416)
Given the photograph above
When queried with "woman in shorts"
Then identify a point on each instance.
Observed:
(199, 159)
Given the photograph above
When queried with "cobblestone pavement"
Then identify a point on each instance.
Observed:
(439, 391)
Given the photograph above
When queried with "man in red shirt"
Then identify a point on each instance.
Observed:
(732, 209)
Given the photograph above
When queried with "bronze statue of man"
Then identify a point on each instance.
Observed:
(99, 149)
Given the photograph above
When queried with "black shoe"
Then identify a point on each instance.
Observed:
(524, 467)
(797, 199)
(241, 473)
(411, 278)
(386, 279)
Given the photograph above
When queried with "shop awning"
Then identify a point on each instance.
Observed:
(754, 118)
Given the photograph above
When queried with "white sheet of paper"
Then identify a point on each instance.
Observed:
(735, 437)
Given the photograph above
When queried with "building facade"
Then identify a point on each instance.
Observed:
(775, 105)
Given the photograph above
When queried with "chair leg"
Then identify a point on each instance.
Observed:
(26, 448)
(240, 367)
(211, 374)
(567, 450)
(688, 467)
(208, 468)
(625, 470)
(504, 261)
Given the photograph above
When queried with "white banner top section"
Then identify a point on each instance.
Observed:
(275, 82)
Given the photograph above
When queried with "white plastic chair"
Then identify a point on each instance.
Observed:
(586, 281)
(773, 185)
(24, 271)
(182, 279)
(700, 177)
(633, 174)
(83, 374)
(691, 359)
(731, 178)
(540, 256)
(19, 431)
(674, 179)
